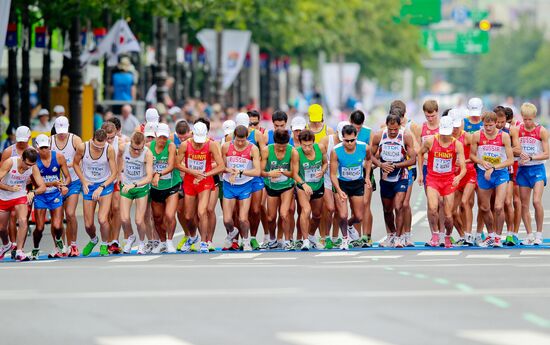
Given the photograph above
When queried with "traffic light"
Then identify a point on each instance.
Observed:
(487, 25)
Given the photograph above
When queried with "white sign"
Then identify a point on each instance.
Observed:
(339, 80)
(234, 47)
(4, 18)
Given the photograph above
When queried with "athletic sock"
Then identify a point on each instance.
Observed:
(94, 240)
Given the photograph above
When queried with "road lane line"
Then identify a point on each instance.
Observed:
(275, 259)
(506, 337)
(138, 258)
(488, 256)
(440, 253)
(333, 254)
(236, 256)
(141, 340)
(328, 338)
(534, 252)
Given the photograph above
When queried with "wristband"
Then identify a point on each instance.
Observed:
(102, 186)
(240, 173)
(135, 185)
(530, 158)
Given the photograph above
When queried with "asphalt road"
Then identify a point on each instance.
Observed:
(360, 297)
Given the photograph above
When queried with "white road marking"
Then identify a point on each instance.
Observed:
(236, 256)
(380, 257)
(343, 262)
(141, 340)
(333, 254)
(417, 217)
(275, 259)
(328, 338)
(534, 252)
(138, 258)
(488, 256)
(506, 337)
(45, 261)
(440, 253)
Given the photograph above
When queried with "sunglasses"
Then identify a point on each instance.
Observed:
(253, 124)
(349, 140)
(136, 149)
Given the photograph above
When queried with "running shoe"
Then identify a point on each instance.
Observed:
(195, 246)
(148, 247)
(181, 243)
(114, 248)
(189, 243)
(211, 247)
(345, 244)
(254, 244)
(129, 243)
(35, 253)
(170, 247)
(448, 243)
(528, 241)
(434, 242)
(399, 242)
(461, 242)
(367, 241)
(13, 253)
(488, 242)
(273, 245)
(229, 238)
(73, 251)
(59, 244)
(537, 241)
(305, 245)
(297, 244)
(246, 246)
(352, 233)
(56, 253)
(478, 240)
(88, 249)
(514, 241)
(161, 248)
(288, 246)
(103, 250)
(338, 242)
(204, 247)
(389, 242)
(20, 256)
(141, 249)
(328, 243)
(356, 244)
(4, 250)
(497, 242)
(408, 240)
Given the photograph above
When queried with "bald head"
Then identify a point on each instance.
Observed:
(126, 110)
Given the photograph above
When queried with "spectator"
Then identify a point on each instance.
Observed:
(98, 117)
(128, 120)
(124, 81)
(58, 110)
(43, 125)
(10, 137)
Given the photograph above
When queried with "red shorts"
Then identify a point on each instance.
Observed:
(515, 172)
(443, 185)
(192, 189)
(117, 187)
(9, 205)
(470, 177)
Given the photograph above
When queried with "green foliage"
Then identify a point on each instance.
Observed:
(535, 76)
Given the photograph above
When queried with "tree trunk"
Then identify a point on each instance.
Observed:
(13, 83)
(25, 68)
(160, 75)
(75, 78)
(106, 69)
(46, 73)
(301, 73)
(219, 72)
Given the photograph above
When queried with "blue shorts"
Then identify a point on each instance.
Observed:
(106, 191)
(498, 177)
(388, 190)
(48, 201)
(412, 176)
(257, 184)
(528, 175)
(237, 191)
(75, 187)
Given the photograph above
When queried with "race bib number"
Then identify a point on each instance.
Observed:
(97, 171)
(391, 153)
(529, 148)
(310, 175)
(443, 165)
(491, 159)
(282, 178)
(196, 165)
(352, 173)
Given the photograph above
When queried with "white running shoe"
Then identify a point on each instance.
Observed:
(246, 245)
(537, 241)
(389, 242)
(129, 243)
(345, 244)
(161, 248)
(170, 247)
(352, 233)
(187, 246)
(229, 238)
(305, 245)
(204, 247)
(141, 249)
(528, 241)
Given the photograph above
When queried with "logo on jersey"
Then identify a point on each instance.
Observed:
(54, 169)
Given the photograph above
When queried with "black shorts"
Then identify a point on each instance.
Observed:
(160, 195)
(217, 180)
(317, 194)
(353, 188)
(275, 193)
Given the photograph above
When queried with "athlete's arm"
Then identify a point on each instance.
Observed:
(112, 166)
(514, 137)
(323, 149)
(171, 160)
(225, 148)
(7, 153)
(4, 170)
(148, 170)
(263, 163)
(293, 156)
(334, 175)
(368, 166)
(375, 142)
(76, 165)
(77, 141)
(330, 131)
(295, 168)
(260, 139)
(180, 164)
(509, 153)
(417, 133)
(216, 154)
(544, 139)
(255, 163)
(411, 153)
(120, 160)
(64, 169)
(461, 163)
(426, 146)
(38, 180)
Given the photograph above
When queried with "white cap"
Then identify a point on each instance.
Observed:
(150, 129)
(340, 127)
(298, 123)
(151, 115)
(43, 112)
(59, 109)
(242, 120)
(457, 116)
(199, 132)
(42, 140)
(229, 127)
(475, 106)
(22, 134)
(163, 130)
(61, 125)
(174, 111)
(446, 125)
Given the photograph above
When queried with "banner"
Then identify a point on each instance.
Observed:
(119, 40)
(339, 81)
(234, 47)
(4, 18)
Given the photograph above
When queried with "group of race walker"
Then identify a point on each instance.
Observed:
(268, 177)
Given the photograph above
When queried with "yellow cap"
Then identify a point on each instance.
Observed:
(315, 112)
